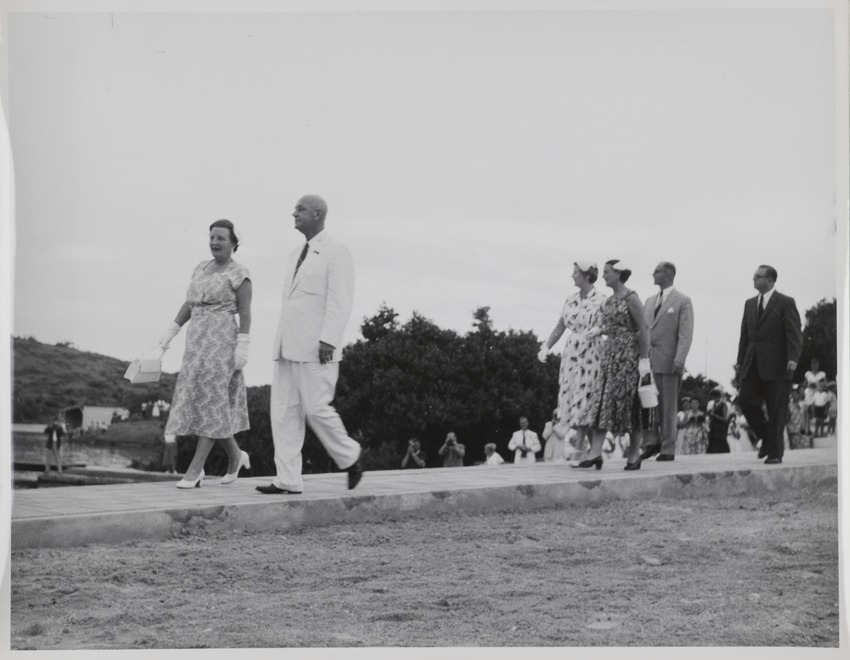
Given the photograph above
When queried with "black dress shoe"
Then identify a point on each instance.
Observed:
(762, 452)
(635, 465)
(593, 462)
(271, 489)
(355, 474)
(665, 457)
(773, 461)
(650, 451)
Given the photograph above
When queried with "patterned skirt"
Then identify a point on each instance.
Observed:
(615, 406)
(209, 398)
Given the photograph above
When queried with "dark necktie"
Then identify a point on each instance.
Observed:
(523, 439)
(658, 305)
(301, 259)
(761, 305)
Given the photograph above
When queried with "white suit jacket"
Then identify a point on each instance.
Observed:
(316, 302)
(532, 442)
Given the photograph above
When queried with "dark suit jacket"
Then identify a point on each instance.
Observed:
(771, 342)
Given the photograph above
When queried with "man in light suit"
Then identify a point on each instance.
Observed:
(317, 299)
(670, 317)
(768, 352)
(525, 444)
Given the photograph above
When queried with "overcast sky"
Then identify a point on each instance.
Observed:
(467, 158)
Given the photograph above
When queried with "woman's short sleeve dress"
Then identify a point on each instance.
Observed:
(580, 362)
(209, 398)
(615, 406)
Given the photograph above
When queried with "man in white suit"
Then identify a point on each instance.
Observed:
(525, 444)
(317, 300)
(670, 317)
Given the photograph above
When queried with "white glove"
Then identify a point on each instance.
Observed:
(170, 333)
(240, 355)
(593, 332)
(643, 367)
(544, 352)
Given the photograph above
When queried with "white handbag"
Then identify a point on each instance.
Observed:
(648, 393)
(145, 369)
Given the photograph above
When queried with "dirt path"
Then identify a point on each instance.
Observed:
(728, 571)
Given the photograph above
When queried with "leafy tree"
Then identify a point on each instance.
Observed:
(697, 387)
(419, 380)
(820, 340)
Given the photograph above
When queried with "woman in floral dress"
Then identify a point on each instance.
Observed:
(580, 361)
(615, 406)
(693, 438)
(209, 397)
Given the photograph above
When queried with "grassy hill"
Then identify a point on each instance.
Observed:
(49, 378)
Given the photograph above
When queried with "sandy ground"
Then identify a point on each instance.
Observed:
(727, 571)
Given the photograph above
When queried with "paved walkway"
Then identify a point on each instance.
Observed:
(79, 515)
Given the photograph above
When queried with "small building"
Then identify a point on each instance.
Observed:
(92, 418)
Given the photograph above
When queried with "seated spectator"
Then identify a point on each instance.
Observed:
(491, 456)
(415, 457)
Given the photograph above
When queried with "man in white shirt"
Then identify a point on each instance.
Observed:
(525, 444)
(316, 305)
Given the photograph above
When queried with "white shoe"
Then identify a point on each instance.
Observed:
(244, 462)
(183, 483)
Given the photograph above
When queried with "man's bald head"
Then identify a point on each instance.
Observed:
(316, 204)
(310, 212)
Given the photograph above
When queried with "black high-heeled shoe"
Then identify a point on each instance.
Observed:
(589, 463)
(635, 465)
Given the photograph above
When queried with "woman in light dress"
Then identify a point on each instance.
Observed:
(580, 362)
(555, 435)
(693, 438)
(209, 397)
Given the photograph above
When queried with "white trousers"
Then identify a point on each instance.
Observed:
(302, 392)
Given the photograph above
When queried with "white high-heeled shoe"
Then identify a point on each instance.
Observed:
(244, 462)
(184, 483)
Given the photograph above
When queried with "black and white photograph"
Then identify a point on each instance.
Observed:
(473, 327)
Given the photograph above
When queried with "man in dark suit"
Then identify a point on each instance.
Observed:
(771, 340)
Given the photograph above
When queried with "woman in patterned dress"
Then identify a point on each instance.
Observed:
(693, 437)
(615, 406)
(580, 361)
(209, 398)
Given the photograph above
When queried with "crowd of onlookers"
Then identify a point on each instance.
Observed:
(717, 427)
(155, 409)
